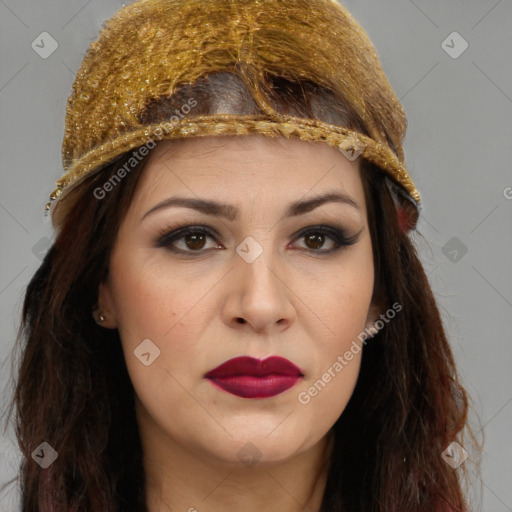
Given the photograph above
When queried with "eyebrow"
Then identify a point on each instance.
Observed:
(230, 212)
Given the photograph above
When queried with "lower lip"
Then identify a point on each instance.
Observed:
(248, 386)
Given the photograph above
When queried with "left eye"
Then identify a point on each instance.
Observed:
(194, 239)
(316, 239)
(315, 236)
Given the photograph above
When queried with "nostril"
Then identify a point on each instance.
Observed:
(240, 320)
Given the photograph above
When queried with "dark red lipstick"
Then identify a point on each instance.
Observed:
(248, 377)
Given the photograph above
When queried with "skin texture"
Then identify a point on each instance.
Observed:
(296, 302)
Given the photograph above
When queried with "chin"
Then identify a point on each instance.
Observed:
(256, 446)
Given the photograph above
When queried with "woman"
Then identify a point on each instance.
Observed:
(236, 323)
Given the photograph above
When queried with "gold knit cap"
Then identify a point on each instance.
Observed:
(151, 47)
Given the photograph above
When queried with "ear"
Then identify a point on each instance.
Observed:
(106, 304)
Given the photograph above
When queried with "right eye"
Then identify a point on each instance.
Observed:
(193, 239)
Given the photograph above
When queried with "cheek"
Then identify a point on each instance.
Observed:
(164, 308)
(323, 398)
(336, 356)
(342, 307)
(341, 296)
(152, 297)
(160, 306)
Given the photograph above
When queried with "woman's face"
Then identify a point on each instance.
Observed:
(258, 277)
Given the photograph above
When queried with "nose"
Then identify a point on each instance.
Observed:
(259, 298)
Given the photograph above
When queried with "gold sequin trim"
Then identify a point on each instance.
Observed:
(226, 124)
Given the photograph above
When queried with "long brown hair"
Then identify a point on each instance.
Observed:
(73, 390)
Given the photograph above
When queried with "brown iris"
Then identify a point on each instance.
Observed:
(195, 241)
(314, 241)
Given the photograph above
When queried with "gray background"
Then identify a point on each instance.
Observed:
(458, 151)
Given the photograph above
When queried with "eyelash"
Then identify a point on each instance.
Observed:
(166, 237)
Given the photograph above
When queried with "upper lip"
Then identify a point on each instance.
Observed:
(245, 365)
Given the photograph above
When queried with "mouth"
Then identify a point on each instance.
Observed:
(248, 377)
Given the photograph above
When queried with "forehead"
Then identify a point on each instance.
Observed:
(251, 167)
(222, 151)
(193, 147)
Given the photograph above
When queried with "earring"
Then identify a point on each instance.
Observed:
(98, 317)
